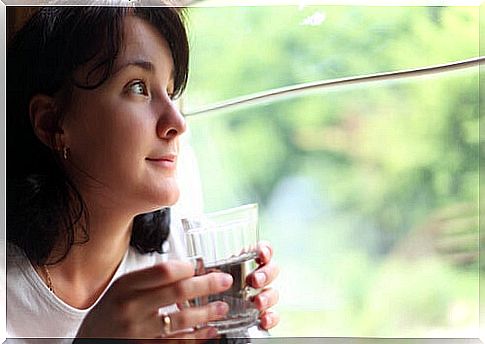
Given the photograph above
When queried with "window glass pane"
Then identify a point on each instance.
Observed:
(368, 194)
(242, 50)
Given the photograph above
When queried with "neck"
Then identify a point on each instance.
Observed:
(88, 268)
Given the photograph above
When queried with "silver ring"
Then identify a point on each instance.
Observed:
(166, 324)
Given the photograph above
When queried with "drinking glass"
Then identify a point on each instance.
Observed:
(226, 241)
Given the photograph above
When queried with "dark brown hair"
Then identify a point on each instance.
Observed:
(43, 206)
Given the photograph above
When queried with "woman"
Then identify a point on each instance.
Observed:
(92, 145)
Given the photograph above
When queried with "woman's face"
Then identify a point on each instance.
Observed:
(123, 136)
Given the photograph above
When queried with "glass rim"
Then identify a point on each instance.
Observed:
(223, 226)
(215, 228)
(232, 210)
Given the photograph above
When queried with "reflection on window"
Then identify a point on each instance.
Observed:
(368, 193)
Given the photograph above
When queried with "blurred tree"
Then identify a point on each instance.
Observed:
(418, 143)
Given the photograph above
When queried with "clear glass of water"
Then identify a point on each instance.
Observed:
(226, 241)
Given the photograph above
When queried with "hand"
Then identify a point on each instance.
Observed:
(261, 278)
(129, 309)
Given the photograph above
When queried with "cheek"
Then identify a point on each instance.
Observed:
(108, 137)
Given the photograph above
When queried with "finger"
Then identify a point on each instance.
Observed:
(265, 252)
(263, 275)
(197, 316)
(148, 301)
(266, 299)
(190, 288)
(157, 276)
(269, 320)
(154, 325)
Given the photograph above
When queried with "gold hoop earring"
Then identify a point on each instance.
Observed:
(65, 152)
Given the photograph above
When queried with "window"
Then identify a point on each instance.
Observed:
(367, 185)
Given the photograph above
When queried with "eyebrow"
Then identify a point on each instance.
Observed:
(143, 64)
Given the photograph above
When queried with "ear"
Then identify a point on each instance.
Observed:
(44, 120)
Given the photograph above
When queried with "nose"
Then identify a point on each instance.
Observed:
(170, 123)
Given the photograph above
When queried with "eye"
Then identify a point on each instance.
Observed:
(138, 87)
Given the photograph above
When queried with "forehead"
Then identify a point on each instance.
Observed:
(142, 41)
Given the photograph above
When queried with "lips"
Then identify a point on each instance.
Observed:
(167, 161)
(168, 158)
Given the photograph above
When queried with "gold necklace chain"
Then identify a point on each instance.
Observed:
(48, 278)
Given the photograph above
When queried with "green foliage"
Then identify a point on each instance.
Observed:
(241, 50)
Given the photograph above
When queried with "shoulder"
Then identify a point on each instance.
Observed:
(21, 277)
(15, 257)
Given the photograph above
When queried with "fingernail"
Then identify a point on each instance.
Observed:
(226, 280)
(265, 252)
(260, 278)
(268, 321)
(263, 300)
(212, 332)
(221, 308)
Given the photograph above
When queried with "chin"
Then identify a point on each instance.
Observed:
(165, 198)
(171, 200)
(155, 196)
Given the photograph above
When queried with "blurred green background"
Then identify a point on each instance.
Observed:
(369, 194)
